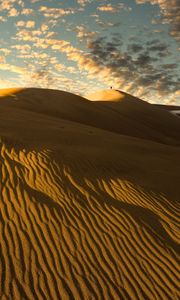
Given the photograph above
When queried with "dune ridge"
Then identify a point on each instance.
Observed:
(86, 213)
(131, 116)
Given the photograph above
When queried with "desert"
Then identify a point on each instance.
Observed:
(89, 150)
(89, 204)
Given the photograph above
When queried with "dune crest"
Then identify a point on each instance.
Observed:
(86, 213)
(106, 95)
(10, 91)
(112, 95)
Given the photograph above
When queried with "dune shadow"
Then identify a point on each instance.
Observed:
(144, 217)
(42, 198)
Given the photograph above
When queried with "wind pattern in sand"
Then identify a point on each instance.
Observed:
(74, 226)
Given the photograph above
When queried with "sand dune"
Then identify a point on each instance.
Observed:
(130, 116)
(171, 108)
(89, 198)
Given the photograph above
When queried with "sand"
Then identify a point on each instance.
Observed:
(89, 198)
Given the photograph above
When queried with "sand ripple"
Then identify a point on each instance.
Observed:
(73, 234)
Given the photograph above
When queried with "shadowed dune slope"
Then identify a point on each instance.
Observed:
(89, 205)
(167, 107)
(128, 116)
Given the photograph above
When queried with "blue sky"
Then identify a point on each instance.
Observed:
(85, 45)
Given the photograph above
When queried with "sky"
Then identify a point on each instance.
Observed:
(81, 46)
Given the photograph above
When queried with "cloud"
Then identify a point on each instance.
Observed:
(55, 13)
(20, 23)
(170, 14)
(83, 2)
(4, 84)
(30, 24)
(44, 27)
(12, 68)
(13, 12)
(104, 23)
(142, 72)
(27, 24)
(144, 69)
(113, 8)
(2, 59)
(161, 48)
(24, 48)
(108, 8)
(5, 5)
(59, 67)
(27, 35)
(84, 34)
(27, 11)
(135, 48)
(5, 51)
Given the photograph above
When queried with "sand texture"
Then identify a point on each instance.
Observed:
(89, 204)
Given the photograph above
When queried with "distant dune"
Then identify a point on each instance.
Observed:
(171, 108)
(89, 197)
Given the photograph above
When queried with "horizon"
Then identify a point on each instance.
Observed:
(100, 96)
(84, 46)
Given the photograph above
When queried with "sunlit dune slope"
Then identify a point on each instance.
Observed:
(107, 95)
(10, 91)
(89, 202)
